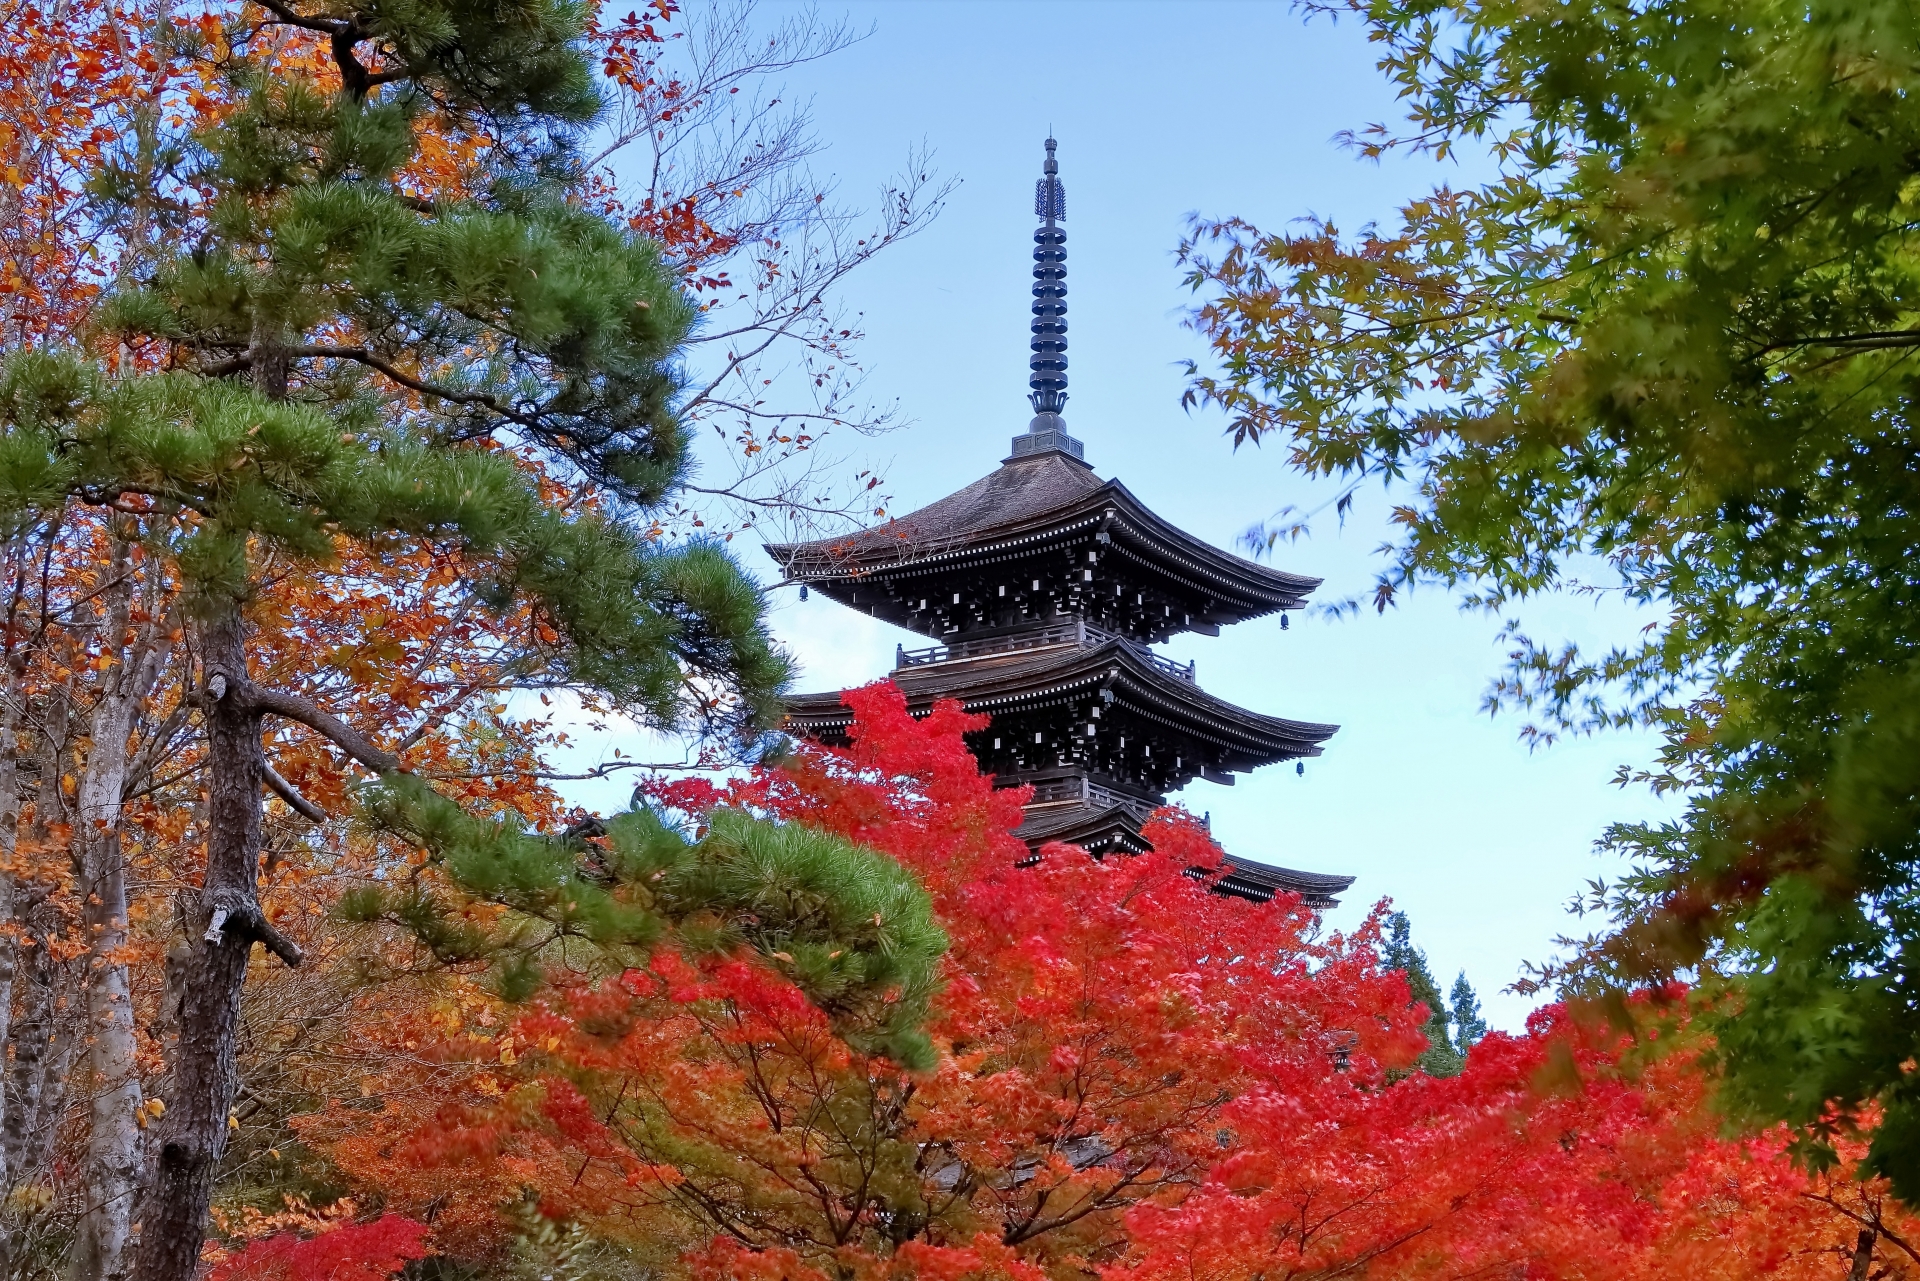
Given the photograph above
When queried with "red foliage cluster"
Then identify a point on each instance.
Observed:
(1138, 1080)
(350, 1252)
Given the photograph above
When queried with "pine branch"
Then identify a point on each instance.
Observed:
(387, 368)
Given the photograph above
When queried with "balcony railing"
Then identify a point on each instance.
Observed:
(1184, 671)
(1079, 632)
(1056, 791)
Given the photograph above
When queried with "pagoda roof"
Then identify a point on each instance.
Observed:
(1100, 830)
(1027, 504)
(1261, 881)
(1094, 828)
(1150, 685)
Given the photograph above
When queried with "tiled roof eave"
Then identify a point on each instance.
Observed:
(1286, 877)
(1113, 503)
(1172, 694)
(954, 550)
(1153, 695)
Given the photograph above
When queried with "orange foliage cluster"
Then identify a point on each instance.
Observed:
(68, 75)
(83, 80)
(630, 57)
(396, 642)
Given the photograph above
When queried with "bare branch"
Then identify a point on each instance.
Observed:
(326, 724)
(291, 795)
(706, 135)
(285, 16)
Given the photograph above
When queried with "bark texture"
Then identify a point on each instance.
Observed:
(193, 1133)
(43, 984)
(114, 1147)
(1862, 1255)
(9, 842)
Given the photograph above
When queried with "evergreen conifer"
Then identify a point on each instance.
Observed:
(1468, 1024)
(1440, 1058)
(312, 352)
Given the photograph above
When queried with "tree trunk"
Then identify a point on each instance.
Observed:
(40, 982)
(193, 1133)
(9, 841)
(56, 1076)
(114, 1140)
(1862, 1255)
(32, 1033)
(43, 1048)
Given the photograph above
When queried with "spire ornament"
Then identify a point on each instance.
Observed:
(1047, 433)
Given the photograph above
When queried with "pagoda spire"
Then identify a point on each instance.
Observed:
(1047, 433)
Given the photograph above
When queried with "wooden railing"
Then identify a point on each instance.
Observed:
(1079, 632)
(1055, 791)
(1184, 671)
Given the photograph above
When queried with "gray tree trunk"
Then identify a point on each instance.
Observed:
(114, 1148)
(42, 981)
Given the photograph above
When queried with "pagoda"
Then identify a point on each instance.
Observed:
(1044, 589)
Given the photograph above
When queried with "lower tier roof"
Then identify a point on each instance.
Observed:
(1116, 829)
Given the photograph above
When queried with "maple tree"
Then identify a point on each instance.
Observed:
(1123, 1073)
(1136, 1078)
(1664, 351)
(304, 234)
(338, 1251)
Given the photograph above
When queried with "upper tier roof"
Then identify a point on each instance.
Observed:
(1032, 508)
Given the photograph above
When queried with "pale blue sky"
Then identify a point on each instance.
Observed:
(1222, 108)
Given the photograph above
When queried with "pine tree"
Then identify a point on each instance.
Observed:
(1440, 1057)
(313, 352)
(846, 925)
(1468, 1024)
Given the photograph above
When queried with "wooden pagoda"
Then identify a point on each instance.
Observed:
(1044, 588)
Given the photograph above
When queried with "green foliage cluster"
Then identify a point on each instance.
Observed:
(1674, 337)
(851, 927)
(234, 467)
(305, 347)
(1468, 1024)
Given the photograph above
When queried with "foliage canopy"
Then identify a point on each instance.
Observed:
(1132, 1078)
(1675, 336)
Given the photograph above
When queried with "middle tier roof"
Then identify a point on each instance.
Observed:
(1052, 691)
